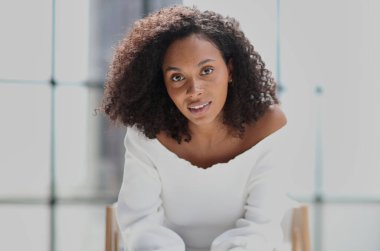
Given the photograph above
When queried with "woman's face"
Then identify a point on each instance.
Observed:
(196, 78)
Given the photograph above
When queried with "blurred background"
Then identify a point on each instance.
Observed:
(60, 163)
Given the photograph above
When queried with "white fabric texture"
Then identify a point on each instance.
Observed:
(167, 204)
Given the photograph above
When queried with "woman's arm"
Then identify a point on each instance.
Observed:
(140, 212)
(260, 227)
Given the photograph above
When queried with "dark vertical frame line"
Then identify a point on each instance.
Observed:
(318, 173)
(318, 148)
(278, 48)
(53, 38)
(52, 197)
(145, 8)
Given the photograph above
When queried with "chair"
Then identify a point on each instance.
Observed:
(112, 229)
(296, 229)
(295, 226)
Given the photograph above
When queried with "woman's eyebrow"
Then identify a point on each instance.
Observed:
(205, 61)
(173, 68)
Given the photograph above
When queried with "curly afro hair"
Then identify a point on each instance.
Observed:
(135, 93)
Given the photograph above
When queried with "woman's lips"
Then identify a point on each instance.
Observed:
(199, 108)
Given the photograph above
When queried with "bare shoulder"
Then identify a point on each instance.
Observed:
(272, 120)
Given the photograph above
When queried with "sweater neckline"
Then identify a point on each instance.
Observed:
(219, 165)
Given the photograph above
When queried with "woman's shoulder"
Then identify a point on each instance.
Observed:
(138, 144)
(135, 137)
(273, 120)
(133, 133)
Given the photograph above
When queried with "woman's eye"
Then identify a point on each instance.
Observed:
(177, 78)
(207, 71)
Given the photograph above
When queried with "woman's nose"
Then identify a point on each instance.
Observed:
(195, 88)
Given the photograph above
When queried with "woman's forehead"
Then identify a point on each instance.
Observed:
(192, 48)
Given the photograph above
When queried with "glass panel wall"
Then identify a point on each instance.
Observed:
(89, 149)
(24, 227)
(25, 40)
(342, 63)
(25, 140)
(81, 227)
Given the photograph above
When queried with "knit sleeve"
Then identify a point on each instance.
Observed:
(260, 227)
(140, 212)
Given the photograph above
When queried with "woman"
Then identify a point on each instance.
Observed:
(202, 167)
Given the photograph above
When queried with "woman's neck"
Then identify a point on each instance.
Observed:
(209, 136)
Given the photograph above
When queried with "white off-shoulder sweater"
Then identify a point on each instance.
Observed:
(167, 204)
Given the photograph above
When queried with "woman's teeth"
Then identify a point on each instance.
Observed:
(199, 106)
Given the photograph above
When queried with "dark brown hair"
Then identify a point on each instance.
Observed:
(135, 93)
